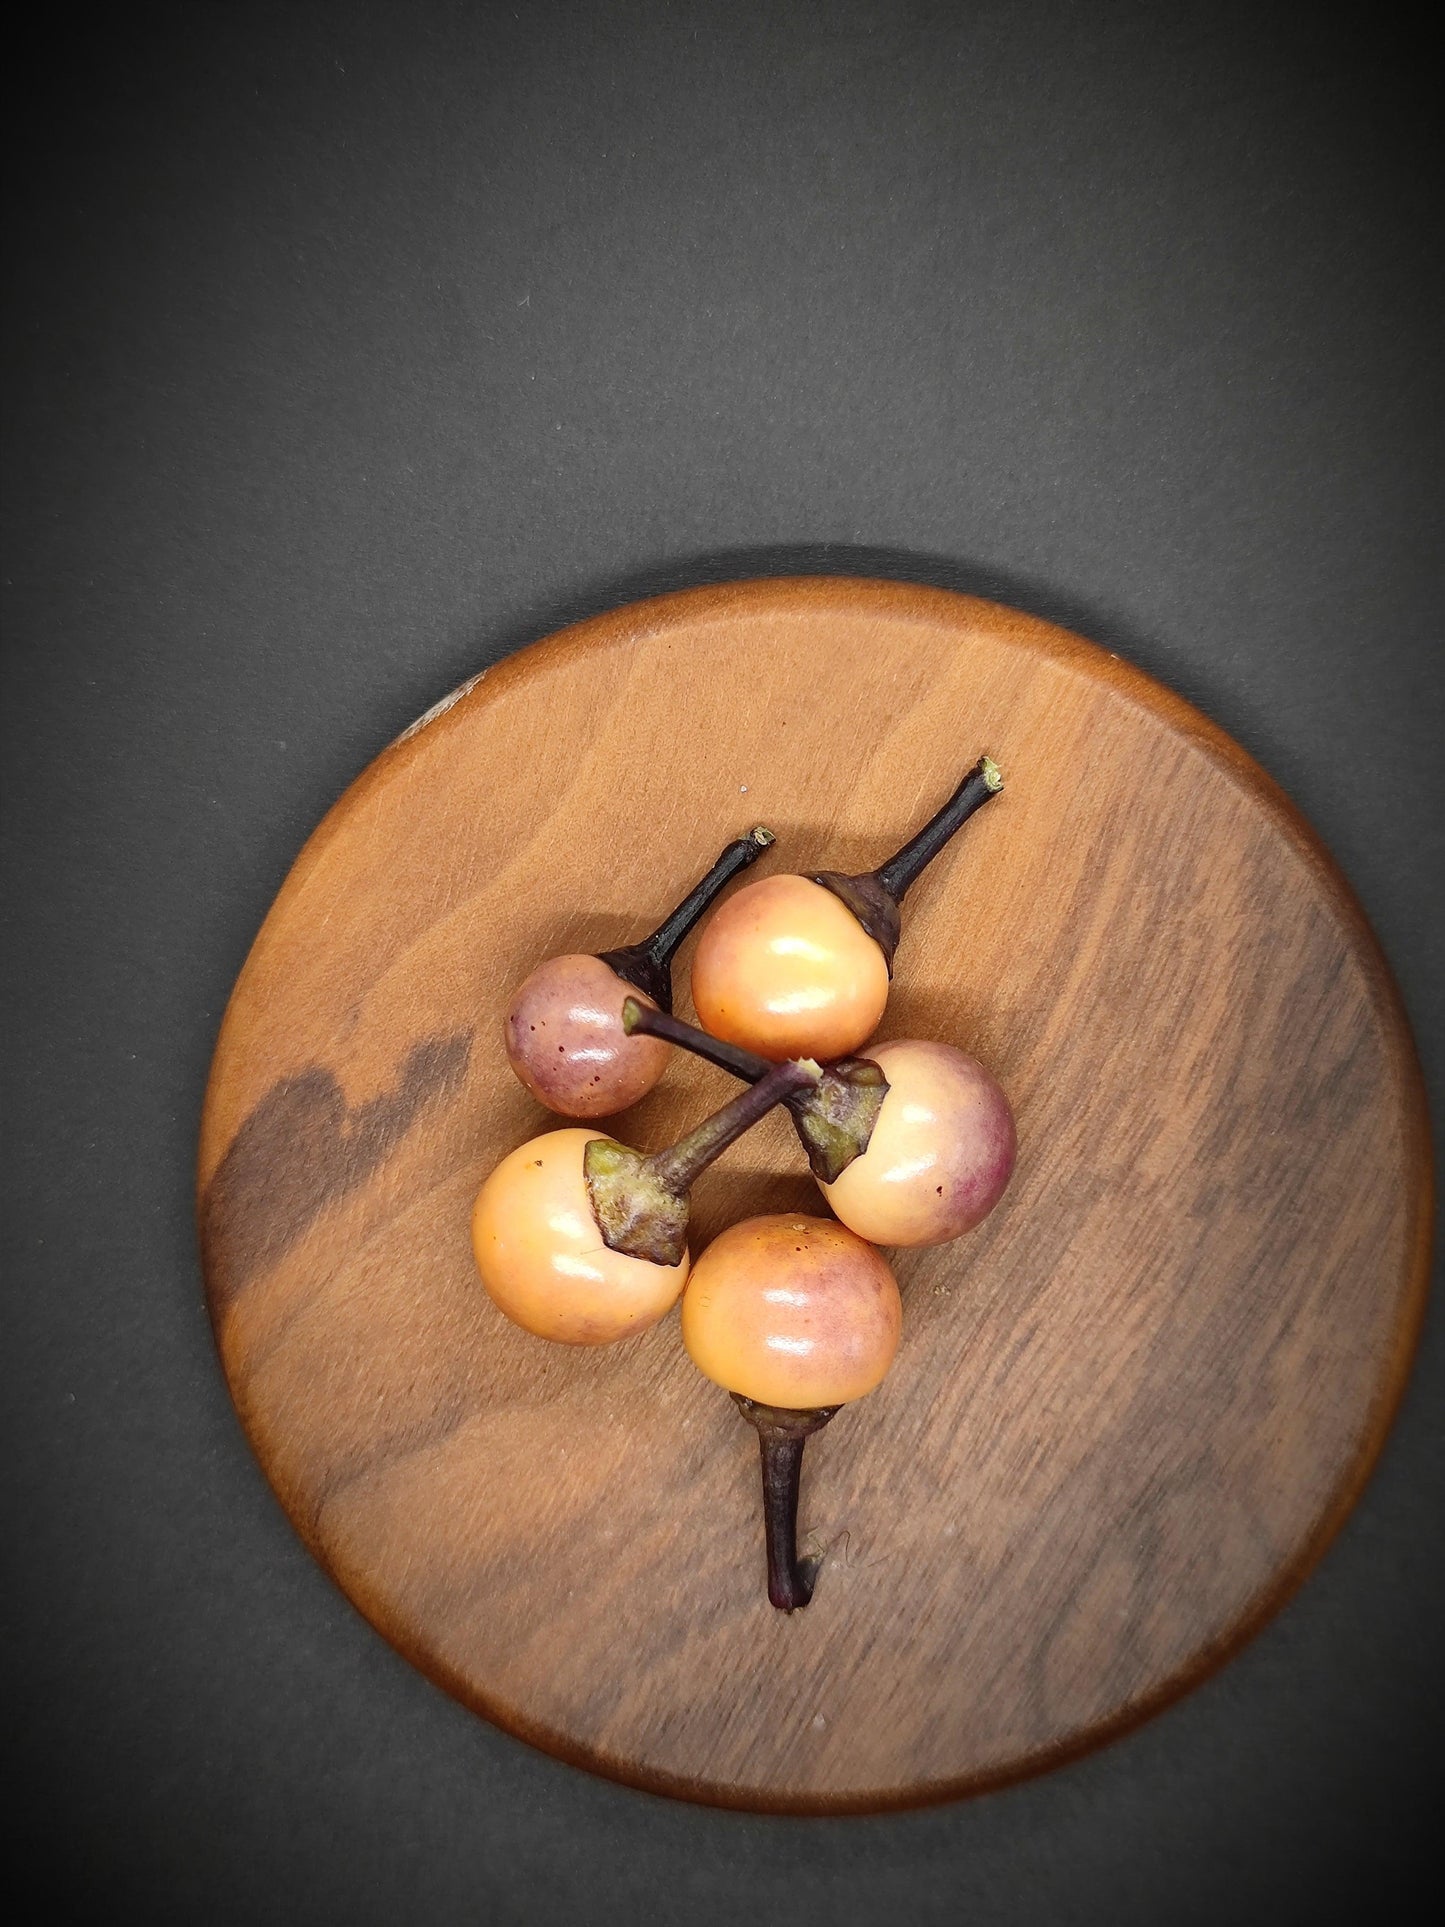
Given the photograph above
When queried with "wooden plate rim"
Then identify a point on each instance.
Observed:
(636, 622)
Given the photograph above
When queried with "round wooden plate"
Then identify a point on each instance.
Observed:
(1128, 1412)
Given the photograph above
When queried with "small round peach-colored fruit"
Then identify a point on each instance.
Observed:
(792, 1311)
(941, 1153)
(541, 1256)
(566, 1043)
(785, 969)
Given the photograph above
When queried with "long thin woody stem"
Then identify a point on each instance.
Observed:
(660, 1023)
(678, 1168)
(648, 965)
(875, 896)
(901, 871)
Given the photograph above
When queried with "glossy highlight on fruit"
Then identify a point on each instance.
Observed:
(785, 969)
(792, 1311)
(541, 1254)
(941, 1153)
(563, 1027)
(566, 1043)
(798, 966)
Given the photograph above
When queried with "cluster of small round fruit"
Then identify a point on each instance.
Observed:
(581, 1239)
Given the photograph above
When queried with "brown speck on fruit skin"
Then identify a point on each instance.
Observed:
(595, 1069)
(828, 1339)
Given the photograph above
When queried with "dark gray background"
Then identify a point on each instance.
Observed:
(351, 347)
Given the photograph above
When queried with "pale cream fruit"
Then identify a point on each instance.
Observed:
(941, 1152)
(792, 1311)
(541, 1256)
(784, 968)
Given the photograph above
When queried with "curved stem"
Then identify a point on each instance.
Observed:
(781, 1438)
(648, 965)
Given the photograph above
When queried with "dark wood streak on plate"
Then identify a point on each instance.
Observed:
(1128, 1412)
(301, 1149)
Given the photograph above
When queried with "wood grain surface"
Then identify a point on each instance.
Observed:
(1128, 1412)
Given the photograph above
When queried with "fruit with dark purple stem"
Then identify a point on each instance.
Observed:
(563, 1027)
(796, 966)
(794, 1316)
(578, 1238)
(912, 1145)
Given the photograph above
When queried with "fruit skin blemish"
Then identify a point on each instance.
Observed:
(563, 1026)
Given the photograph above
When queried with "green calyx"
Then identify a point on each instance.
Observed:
(634, 1208)
(835, 1118)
